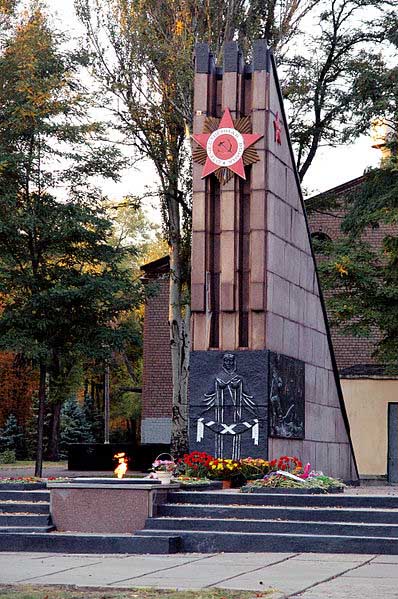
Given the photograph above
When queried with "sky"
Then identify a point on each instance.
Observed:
(331, 166)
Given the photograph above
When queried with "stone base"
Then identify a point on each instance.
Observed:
(104, 508)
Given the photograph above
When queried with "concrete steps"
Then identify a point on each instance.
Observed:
(25, 525)
(25, 529)
(55, 542)
(236, 522)
(24, 513)
(31, 496)
(282, 499)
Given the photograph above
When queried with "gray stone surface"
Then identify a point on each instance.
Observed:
(247, 385)
(231, 57)
(260, 56)
(288, 575)
(156, 430)
(392, 467)
(202, 54)
(287, 397)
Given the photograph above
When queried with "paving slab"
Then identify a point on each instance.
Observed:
(353, 588)
(288, 577)
(15, 569)
(386, 559)
(207, 572)
(338, 557)
(111, 570)
(251, 558)
(378, 570)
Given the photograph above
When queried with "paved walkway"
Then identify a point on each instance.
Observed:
(306, 576)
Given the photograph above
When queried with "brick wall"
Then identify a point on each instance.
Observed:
(349, 350)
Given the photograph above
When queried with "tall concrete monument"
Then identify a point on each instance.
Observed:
(263, 380)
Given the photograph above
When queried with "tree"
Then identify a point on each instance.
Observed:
(74, 426)
(62, 286)
(333, 88)
(362, 279)
(10, 435)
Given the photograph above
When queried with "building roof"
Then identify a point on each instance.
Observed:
(339, 189)
(156, 267)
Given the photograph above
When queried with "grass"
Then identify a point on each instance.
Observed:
(62, 592)
(31, 464)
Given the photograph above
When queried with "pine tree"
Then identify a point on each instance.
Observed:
(11, 436)
(74, 426)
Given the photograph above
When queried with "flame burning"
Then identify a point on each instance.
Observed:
(121, 468)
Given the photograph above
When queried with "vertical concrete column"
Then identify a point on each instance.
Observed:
(203, 68)
(228, 204)
(258, 217)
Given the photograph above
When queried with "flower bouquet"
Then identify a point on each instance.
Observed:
(195, 464)
(253, 468)
(164, 469)
(223, 469)
(287, 472)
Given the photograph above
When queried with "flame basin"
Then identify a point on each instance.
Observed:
(105, 505)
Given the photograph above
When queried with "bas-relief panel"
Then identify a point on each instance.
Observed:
(286, 397)
(229, 403)
(239, 398)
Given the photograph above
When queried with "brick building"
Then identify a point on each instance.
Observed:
(353, 354)
(367, 391)
(370, 395)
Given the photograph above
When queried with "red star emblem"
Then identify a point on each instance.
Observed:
(277, 129)
(225, 146)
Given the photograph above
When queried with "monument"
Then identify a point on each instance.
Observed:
(263, 380)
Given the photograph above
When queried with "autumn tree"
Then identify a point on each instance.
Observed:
(62, 285)
(333, 84)
(361, 278)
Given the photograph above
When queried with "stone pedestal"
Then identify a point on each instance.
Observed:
(104, 508)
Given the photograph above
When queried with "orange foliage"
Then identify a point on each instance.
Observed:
(18, 384)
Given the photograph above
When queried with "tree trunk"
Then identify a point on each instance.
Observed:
(53, 444)
(40, 421)
(179, 321)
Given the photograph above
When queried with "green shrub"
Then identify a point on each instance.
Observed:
(7, 456)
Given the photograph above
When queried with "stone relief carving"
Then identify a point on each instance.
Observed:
(286, 398)
(229, 410)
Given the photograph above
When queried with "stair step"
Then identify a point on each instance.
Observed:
(274, 526)
(24, 496)
(278, 513)
(25, 529)
(25, 520)
(89, 543)
(212, 542)
(264, 499)
(24, 507)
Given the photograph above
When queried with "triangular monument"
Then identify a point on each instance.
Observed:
(263, 379)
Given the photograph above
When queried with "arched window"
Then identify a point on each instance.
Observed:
(320, 241)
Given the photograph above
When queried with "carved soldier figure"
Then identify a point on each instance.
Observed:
(229, 411)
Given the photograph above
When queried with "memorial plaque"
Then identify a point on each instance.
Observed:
(229, 403)
(286, 397)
